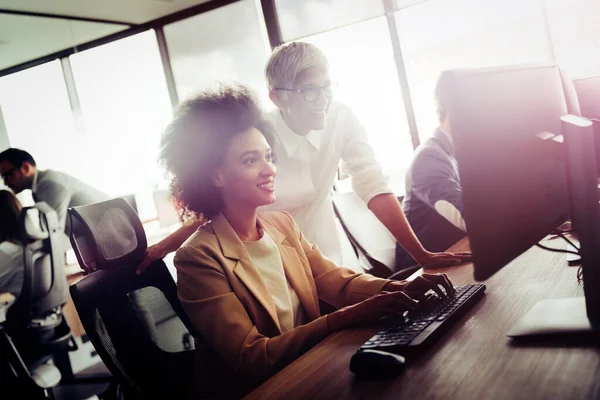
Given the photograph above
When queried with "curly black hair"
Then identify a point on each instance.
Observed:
(195, 142)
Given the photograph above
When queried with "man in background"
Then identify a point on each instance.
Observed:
(59, 190)
(434, 203)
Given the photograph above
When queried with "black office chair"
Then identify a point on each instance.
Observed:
(135, 322)
(373, 243)
(35, 330)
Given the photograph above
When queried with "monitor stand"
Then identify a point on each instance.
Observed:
(552, 317)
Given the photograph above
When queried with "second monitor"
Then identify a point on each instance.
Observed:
(517, 187)
(514, 186)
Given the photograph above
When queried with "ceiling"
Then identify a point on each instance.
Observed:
(26, 37)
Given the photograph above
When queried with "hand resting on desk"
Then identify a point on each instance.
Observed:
(445, 259)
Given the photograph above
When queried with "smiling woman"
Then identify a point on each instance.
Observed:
(246, 177)
(249, 281)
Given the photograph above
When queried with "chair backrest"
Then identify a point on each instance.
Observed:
(106, 235)
(588, 93)
(367, 234)
(44, 281)
(135, 322)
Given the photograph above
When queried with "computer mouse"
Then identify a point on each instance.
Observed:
(374, 364)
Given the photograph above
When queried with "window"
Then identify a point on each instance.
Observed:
(439, 35)
(125, 107)
(302, 18)
(227, 44)
(574, 26)
(37, 115)
(25, 38)
(362, 61)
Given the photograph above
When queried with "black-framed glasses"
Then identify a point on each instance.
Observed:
(311, 93)
(8, 173)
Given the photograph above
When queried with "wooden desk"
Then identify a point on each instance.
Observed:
(476, 360)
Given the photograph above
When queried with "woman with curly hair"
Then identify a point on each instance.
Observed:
(249, 281)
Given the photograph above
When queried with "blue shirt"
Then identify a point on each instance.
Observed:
(433, 203)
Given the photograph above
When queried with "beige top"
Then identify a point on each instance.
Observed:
(265, 256)
(230, 306)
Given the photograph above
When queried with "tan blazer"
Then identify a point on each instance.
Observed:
(231, 309)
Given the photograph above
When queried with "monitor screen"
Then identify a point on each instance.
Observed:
(514, 187)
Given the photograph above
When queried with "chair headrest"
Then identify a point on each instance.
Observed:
(32, 225)
(37, 221)
(107, 235)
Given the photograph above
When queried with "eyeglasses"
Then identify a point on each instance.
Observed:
(311, 93)
(8, 173)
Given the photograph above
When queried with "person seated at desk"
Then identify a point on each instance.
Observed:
(250, 281)
(313, 134)
(59, 190)
(11, 245)
(433, 203)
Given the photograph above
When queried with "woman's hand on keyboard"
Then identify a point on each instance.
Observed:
(436, 282)
(421, 285)
(371, 310)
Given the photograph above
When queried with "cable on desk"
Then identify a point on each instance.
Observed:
(562, 235)
(556, 250)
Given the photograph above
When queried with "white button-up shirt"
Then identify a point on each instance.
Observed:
(307, 167)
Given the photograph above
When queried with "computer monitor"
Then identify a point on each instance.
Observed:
(519, 183)
(513, 189)
(585, 210)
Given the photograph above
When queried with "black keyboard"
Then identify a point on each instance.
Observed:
(433, 317)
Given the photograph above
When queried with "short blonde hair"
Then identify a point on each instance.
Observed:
(288, 60)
